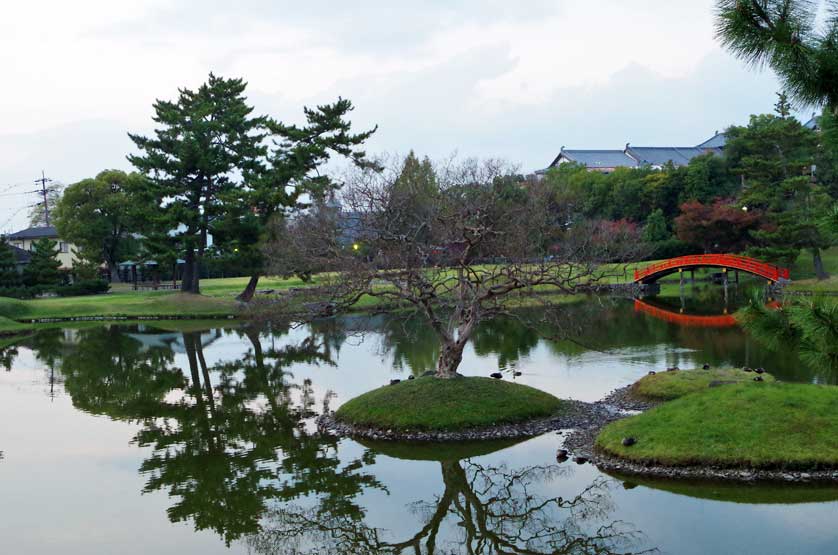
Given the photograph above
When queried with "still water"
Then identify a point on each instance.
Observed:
(166, 438)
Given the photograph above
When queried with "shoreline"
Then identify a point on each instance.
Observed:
(578, 414)
(579, 427)
(582, 443)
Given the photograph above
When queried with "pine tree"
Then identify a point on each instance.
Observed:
(291, 178)
(9, 276)
(205, 144)
(786, 36)
(774, 155)
(44, 267)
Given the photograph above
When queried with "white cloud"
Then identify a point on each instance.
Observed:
(483, 77)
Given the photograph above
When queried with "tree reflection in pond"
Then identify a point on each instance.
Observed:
(224, 450)
(495, 509)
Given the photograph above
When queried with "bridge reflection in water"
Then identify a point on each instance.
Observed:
(687, 320)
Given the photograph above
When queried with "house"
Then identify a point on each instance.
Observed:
(24, 240)
(606, 161)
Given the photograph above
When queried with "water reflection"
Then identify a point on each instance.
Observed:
(491, 510)
(226, 440)
(223, 430)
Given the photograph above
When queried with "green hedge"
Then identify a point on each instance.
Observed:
(79, 288)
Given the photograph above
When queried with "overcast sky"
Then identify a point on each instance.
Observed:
(515, 80)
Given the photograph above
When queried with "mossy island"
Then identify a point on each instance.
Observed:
(665, 386)
(758, 429)
(449, 408)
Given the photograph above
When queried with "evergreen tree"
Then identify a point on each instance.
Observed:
(43, 267)
(291, 177)
(827, 157)
(655, 229)
(786, 36)
(205, 145)
(9, 276)
(774, 156)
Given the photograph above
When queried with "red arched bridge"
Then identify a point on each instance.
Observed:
(654, 272)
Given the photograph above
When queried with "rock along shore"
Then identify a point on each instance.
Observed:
(584, 420)
(621, 404)
(576, 415)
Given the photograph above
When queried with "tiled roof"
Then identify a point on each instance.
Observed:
(660, 155)
(598, 158)
(34, 233)
(719, 140)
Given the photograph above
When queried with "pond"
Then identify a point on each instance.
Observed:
(189, 438)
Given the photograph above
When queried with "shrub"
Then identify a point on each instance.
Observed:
(84, 287)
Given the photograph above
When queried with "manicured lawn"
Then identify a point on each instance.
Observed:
(8, 326)
(434, 404)
(666, 386)
(129, 304)
(767, 425)
(803, 273)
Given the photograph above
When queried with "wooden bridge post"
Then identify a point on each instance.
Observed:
(724, 282)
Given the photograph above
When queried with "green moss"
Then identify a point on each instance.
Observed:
(436, 404)
(666, 386)
(758, 426)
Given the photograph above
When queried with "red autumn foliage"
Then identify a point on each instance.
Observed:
(721, 227)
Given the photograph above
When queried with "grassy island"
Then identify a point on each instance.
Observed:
(666, 386)
(764, 425)
(430, 403)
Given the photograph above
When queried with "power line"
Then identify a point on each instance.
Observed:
(43, 181)
(10, 218)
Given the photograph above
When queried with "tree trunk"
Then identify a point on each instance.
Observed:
(196, 276)
(188, 269)
(820, 271)
(113, 270)
(450, 358)
(247, 295)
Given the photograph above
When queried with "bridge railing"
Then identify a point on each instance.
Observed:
(744, 263)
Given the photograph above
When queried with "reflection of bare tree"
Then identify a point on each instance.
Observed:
(493, 511)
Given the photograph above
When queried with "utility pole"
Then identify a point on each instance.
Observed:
(43, 181)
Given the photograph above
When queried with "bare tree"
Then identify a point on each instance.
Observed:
(459, 243)
(496, 511)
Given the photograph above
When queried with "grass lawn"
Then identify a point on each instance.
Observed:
(666, 386)
(767, 425)
(8, 326)
(435, 404)
(803, 272)
(147, 303)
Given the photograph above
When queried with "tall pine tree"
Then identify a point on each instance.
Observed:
(290, 177)
(205, 144)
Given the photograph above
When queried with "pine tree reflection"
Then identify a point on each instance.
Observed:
(225, 440)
